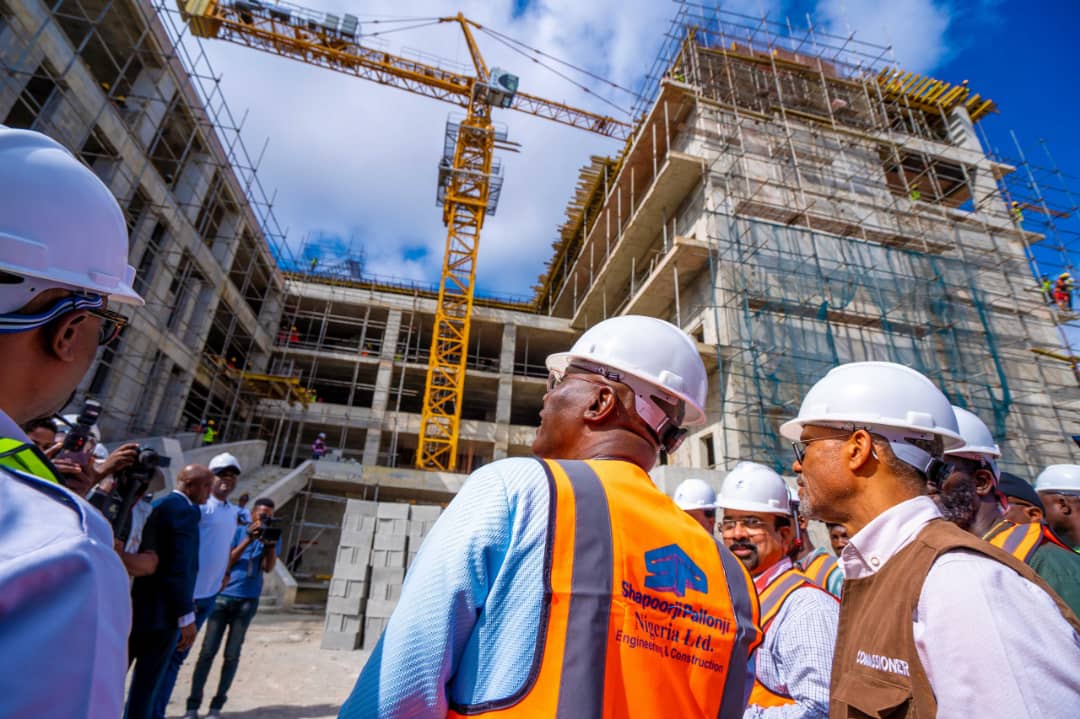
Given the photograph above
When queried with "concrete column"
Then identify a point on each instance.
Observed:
(390, 336)
(506, 387)
(382, 386)
(202, 315)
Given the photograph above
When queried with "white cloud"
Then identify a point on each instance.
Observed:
(915, 29)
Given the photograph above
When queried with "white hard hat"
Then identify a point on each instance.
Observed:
(978, 442)
(224, 461)
(752, 487)
(60, 227)
(695, 494)
(654, 358)
(1061, 478)
(890, 399)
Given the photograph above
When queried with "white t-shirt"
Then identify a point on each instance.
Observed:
(216, 529)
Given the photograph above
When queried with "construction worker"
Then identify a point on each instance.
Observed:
(568, 584)
(969, 498)
(318, 447)
(1017, 211)
(697, 499)
(926, 626)
(63, 258)
(818, 563)
(1047, 289)
(209, 434)
(1063, 290)
(1059, 488)
(798, 617)
(1022, 503)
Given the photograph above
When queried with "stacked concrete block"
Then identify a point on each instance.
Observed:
(344, 628)
(388, 554)
(421, 519)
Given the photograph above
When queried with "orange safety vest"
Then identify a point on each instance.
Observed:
(820, 570)
(1021, 540)
(644, 614)
(772, 598)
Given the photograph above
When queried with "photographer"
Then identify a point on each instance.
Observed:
(63, 260)
(253, 554)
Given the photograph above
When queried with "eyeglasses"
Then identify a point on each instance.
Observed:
(557, 377)
(799, 447)
(112, 323)
(753, 525)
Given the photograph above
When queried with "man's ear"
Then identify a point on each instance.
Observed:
(603, 404)
(62, 342)
(1034, 513)
(859, 450)
(984, 482)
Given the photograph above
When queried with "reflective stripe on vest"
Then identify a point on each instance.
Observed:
(772, 598)
(27, 458)
(643, 613)
(1021, 540)
(821, 569)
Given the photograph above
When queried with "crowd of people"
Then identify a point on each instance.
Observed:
(560, 585)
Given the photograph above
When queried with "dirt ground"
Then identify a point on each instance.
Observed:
(283, 673)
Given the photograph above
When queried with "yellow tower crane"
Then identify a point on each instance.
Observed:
(465, 174)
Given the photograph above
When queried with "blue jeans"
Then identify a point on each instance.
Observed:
(235, 614)
(176, 659)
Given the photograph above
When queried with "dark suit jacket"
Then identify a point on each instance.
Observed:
(172, 530)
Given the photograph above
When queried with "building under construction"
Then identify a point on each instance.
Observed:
(791, 199)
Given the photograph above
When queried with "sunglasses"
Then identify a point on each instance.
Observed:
(112, 323)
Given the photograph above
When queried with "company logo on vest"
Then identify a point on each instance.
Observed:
(671, 570)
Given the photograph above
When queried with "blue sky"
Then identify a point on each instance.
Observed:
(358, 160)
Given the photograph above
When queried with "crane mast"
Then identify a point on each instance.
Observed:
(326, 40)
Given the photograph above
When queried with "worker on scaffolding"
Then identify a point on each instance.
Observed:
(1017, 212)
(63, 259)
(553, 586)
(924, 625)
(1063, 290)
(1046, 286)
(318, 447)
(209, 433)
(969, 497)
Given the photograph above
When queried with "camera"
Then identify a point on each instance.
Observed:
(130, 484)
(267, 532)
(80, 433)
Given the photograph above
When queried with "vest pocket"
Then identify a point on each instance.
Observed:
(863, 696)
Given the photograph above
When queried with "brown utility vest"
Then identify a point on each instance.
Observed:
(876, 672)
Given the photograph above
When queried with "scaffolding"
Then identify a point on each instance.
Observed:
(794, 200)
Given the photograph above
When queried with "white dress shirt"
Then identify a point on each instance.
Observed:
(65, 612)
(993, 644)
(217, 527)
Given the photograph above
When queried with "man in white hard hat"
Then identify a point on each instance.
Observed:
(217, 527)
(697, 498)
(818, 563)
(921, 629)
(562, 587)
(63, 260)
(1059, 488)
(799, 617)
(970, 498)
